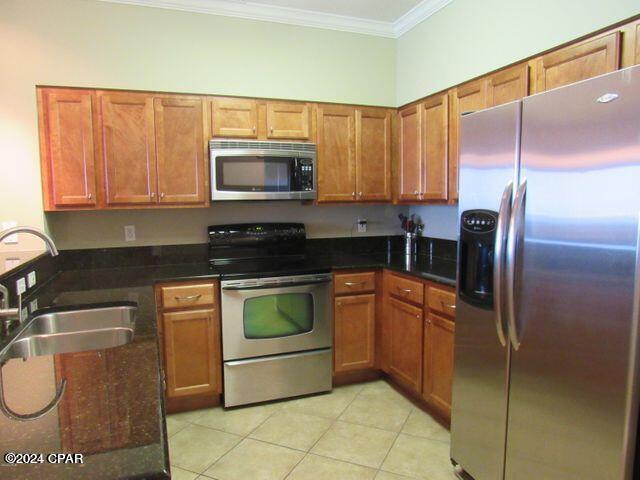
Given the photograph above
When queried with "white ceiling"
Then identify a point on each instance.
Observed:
(386, 18)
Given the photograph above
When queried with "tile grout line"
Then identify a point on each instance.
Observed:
(395, 440)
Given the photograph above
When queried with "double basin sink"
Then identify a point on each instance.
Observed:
(73, 331)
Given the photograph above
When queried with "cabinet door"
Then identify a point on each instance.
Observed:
(373, 154)
(129, 148)
(410, 168)
(192, 352)
(406, 329)
(85, 402)
(438, 363)
(68, 155)
(583, 60)
(435, 136)
(180, 149)
(288, 120)
(354, 332)
(336, 154)
(234, 117)
(508, 85)
(469, 97)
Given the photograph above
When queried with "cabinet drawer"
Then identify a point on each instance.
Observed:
(408, 290)
(443, 301)
(347, 283)
(181, 296)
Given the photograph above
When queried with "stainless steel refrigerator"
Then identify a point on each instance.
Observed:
(546, 360)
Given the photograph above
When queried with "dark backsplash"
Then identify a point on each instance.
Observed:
(46, 266)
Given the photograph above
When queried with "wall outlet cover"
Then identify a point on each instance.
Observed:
(362, 225)
(31, 279)
(129, 233)
(11, 239)
(21, 286)
(33, 305)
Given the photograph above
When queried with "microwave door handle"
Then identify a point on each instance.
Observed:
(276, 285)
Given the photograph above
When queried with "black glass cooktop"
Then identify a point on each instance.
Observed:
(268, 267)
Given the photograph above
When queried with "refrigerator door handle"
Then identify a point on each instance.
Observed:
(498, 260)
(516, 224)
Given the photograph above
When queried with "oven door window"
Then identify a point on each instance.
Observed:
(254, 173)
(278, 315)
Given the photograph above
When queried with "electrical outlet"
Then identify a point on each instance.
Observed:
(11, 238)
(33, 305)
(129, 233)
(31, 279)
(362, 225)
(21, 286)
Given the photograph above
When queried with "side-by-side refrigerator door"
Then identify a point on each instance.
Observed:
(572, 256)
(488, 159)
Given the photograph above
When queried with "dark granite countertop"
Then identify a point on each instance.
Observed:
(113, 410)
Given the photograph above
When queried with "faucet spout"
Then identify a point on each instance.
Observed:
(51, 247)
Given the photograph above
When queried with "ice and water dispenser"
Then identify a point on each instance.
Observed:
(477, 241)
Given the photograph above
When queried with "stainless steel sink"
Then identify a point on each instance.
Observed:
(74, 331)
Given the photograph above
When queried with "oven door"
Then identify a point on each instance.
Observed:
(275, 315)
(260, 175)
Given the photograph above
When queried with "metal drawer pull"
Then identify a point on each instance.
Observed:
(444, 305)
(406, 290)
(351, 284)
(189, 297)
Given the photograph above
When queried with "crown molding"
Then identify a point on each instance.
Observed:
(293, 16)
(417, 14)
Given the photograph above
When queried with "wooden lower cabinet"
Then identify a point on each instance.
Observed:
(438, 363)
(354, 335)
(405, 356)
(190, 345)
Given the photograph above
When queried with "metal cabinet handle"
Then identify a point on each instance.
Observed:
(516, 224)
(353, 194)
(271, 129)
(351, 284)
(89, 196)
(153, 194)
(498, 260)
(444, 305)
(162, 195)
(25, 417)
(406, 290)
(188, 297)
(416, 192)
(254, 129)
(359, 194)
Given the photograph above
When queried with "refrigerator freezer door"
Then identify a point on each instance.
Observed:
(571, 403)
(488, 159)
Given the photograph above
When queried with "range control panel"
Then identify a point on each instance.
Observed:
(479, 221)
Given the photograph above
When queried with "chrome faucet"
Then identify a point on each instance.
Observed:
(10, 314)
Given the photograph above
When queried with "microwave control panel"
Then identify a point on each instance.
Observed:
(305, 170)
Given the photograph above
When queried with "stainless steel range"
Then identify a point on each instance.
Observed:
(276, 313)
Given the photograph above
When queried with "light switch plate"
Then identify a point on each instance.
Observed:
(11, 239)
(31, 279)
(21, 286)
(129, 233)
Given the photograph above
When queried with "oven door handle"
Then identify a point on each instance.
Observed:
(275, 285)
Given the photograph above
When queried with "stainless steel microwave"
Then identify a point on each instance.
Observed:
(253, 170)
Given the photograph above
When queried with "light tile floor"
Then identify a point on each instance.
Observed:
(357, 432)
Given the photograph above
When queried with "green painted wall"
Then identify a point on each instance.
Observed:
(91, 43)
(468, 38)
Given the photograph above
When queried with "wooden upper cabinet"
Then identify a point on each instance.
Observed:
(67, 147)
(406, 331)
(234, 117)
(180, 149)
(288, 121)
(410, 168)
(373, 154)
(586, 59)
(129, 148)
(630, 44)
(336, 154)
(435, 125)
(192, 352)
(636, 56)
(354, 332)
(438, 363)
(508, 85)
(466, 98)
